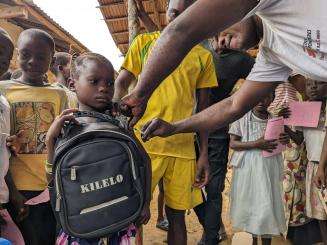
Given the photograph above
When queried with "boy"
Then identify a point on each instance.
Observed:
(173, 159)
(61, 69)
(93, 81)
(34, 105)
(7, 190)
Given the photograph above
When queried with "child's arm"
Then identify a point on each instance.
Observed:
(145, 215)
(296, 136)
(54, 132)
(321, 176)
(261, 144)
(202, 172)
(17, 199)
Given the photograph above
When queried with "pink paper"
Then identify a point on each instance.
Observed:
(274, 128)
(43, 197)
(305, 114)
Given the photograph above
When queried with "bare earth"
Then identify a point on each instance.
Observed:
(154, 236)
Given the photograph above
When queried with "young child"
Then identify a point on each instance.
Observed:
(8, 228)
(314, 138)
(256, 194)
(34, 106)
(93, 82)
(60, 67)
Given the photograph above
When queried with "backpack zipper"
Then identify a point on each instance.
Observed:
(103, 205)
(58, 197)
(73, 173)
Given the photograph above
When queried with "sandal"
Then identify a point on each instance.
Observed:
(163, 225)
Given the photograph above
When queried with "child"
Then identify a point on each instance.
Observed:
(61, 69)
(256, 194)
(93, 82)
(314, 138)
(34, 105)
(301, 229)
(8, 228)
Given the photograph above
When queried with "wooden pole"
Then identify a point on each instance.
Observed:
(133, 21)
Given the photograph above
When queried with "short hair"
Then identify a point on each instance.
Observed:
(4, 34)
(78, 63)
(61, 59)
(38, 34)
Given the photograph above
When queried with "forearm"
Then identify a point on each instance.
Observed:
(323, 158)
(202, 104)
(13, 191)
(185, 32)
(228, 110)
(122, 83)
(243, 146)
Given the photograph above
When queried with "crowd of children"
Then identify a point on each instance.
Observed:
(272, 196)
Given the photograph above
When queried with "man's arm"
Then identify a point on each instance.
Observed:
(216, 116)
(122, 83)
(185, 32)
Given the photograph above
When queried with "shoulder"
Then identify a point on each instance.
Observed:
(145, 38)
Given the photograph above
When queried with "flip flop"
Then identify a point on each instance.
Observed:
(163, 225)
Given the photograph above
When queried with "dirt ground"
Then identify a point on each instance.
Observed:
(154, 236)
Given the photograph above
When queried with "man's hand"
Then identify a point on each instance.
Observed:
(14, 142)
(202, 171)
(134, 107)
(320, 178)
(157, 127)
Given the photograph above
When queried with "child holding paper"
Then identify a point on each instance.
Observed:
(313, 139)
(256, 194)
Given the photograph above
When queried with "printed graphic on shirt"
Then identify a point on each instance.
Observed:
(312, 46)
(34, 118)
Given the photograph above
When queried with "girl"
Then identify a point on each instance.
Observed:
(92, 80)
(301, 230)
(256, 194)
(313, 139)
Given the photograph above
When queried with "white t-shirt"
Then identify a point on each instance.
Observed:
(4, 153)
(295, 39)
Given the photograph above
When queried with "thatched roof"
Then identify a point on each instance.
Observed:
(26, 14)
(115, 15)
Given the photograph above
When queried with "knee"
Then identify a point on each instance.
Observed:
(175, 216)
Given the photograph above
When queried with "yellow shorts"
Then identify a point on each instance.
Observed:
(178, 176)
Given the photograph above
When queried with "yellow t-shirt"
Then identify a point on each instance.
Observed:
(33, 109)
(175, 98)
(71, 96)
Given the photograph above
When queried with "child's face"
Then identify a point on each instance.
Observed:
(6, 52)
(316, 90)
(264, 104)
(94, 86)
(35, 57)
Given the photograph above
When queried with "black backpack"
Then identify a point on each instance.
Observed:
(99, 179)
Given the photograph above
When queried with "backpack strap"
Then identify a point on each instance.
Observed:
(100, 116)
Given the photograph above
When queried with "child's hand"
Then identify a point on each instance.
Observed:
(18, 201)
(202, 171)
(56, 127)
(285, 113)
(320, 178)
(14, 142)
(145, 215)
(266, 145)
(284, 138)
